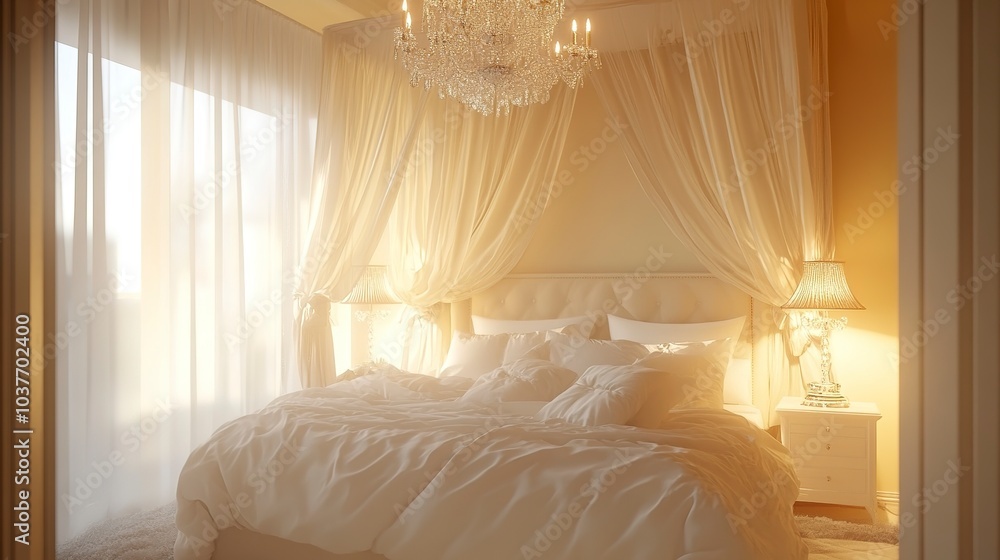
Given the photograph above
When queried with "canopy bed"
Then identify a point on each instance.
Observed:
(722, 126)
(417, 478)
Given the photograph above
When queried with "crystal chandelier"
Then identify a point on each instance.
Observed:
(491, 54)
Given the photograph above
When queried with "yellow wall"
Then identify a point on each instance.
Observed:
(863, 120)
(601, 222)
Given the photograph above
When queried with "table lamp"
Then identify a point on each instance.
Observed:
(823, 287)
(372, 289)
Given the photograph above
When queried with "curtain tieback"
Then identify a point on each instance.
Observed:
(314, 306)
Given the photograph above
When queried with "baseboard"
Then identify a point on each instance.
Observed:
(887, 498)
(888, 503)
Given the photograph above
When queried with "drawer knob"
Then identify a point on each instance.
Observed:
(828, 447)
(829, 479)
(828, 428)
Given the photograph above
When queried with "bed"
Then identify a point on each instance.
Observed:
(404, 467)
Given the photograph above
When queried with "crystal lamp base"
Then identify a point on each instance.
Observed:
(824, 394)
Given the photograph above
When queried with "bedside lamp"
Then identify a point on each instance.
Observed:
(823, 287)
(372, 289)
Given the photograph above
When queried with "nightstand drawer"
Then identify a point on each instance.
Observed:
(804, 445)
(852, 481)
(815, 426)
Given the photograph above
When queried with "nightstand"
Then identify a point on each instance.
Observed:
(833, 450)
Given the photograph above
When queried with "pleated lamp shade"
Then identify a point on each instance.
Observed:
(372, 288)
(823, 286)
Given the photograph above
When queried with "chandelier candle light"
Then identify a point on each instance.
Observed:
(491, 54)
(823, 287)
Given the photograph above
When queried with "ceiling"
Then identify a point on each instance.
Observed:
(317, 14)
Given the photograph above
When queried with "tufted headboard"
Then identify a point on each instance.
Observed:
(659, 298)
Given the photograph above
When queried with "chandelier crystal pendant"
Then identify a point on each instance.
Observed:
(491, 54)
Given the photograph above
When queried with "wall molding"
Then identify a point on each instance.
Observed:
(887, 498)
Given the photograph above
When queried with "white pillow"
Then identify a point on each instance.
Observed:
(524, 380)
(690, 376)
(472, 355)
(738, 383)
(665, 333)
(486, 325)
(603, 395)
(578, 353)
(520, 344)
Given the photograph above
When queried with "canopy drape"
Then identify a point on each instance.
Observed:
(727, 114)
(466, 190)
(369, 117)
(468, 207)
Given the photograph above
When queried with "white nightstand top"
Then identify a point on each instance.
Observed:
(794, 404)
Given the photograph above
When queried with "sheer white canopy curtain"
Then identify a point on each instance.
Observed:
(361, 156)
(464, 192)
(468, 208)
(727, 114)
(185, 138)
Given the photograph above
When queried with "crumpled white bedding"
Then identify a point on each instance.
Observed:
(389, 462)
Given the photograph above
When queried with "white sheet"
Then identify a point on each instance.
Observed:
(386, 463)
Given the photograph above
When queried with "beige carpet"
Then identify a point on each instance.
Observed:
(150, 536)
(826, 528)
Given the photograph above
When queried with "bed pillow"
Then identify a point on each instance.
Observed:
(665, 333)
(578, 353)
(472, 355)
(523, 380)
(520, 345)
(486, 325)
(690, 376)
(738, 382)
(602, 395)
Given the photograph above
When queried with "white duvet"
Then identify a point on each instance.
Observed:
(392, 463)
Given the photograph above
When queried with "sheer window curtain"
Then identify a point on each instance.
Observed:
(470, 202)
(728, 136)
(185, 139)
(361, 156)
